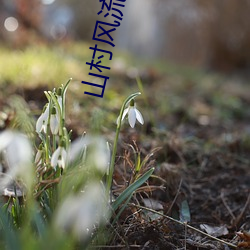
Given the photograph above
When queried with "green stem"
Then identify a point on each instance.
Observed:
(47, 140)
(52, 95)
(112, 164)
(65, 87)
(54, 142)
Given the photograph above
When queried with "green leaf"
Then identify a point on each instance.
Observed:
(122, 209)
(185, 212)
(112, 164)
(138, 163)
(129, 190)
(10, 236)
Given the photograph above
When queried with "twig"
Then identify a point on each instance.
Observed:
(175, 198)
(117, 246)
(184, 224)
(185, 242)
(227, 207)
(239, 217)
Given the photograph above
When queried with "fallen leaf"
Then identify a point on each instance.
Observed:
(245, 236)
(215, 231)
(153, 204)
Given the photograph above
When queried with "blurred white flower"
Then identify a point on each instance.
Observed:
(80, 214)
(42, 121)
(133, 114)
(59, 157)
(54, 121)
(17, 152)
(98, 152)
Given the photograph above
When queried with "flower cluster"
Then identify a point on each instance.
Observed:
(51, 115)
(51, 130)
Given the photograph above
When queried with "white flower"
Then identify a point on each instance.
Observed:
(42, 122)
(59, 99)
(79, 214)
(54, 121)
(17, 152)
(133, 114)
(39, 155)
(98, 152)
(59, 158)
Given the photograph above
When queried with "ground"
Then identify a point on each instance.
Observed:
(197, 123)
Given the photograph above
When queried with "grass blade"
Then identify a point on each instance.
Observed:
(128, 191)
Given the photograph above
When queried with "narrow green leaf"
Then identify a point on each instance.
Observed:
(138, 163)
(10, 236)
(185, 212)
(39, 222)
(122, 209)
(128, 191)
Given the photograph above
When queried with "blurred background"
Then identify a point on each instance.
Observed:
(193, 60)
(212, 34)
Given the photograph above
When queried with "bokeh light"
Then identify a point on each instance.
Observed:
(47, 2)
(11, 24)
(58, 31)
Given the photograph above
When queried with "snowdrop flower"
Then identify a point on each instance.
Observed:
(17, 152)
(59, 99)
(42, 122)
(79, 214)
(98, 152)
(59, 157)
(39, 154)
(54, 121)
(133, 114)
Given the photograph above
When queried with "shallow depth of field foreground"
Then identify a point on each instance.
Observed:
(162, 161)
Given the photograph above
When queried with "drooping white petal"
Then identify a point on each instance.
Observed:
(5, 139)
(78, 214)
(77, 148)
(38, 156)
(19, 151)
(123, 115)
(54, 124)
(139, 116)
(61, 163)
(44, 127)
(63, 159)
(55, 156)
(59, 157)
(132, 117)
(18, 156)
(46, 113)
(98, 152)
(125, 112)
(39, 123)
(101, 154)
(59, 99)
